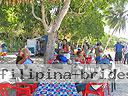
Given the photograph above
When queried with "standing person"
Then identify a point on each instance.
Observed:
(118, 52)
(72, 47)
(38, 47)
(126, 53)
(98, 52)
(60, 44)
(86, 47)
(56, 47)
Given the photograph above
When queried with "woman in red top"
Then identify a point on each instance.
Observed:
(65, 46)
(66, 49)
(80, 57)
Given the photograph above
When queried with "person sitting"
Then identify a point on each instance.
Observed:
(4, 47)
(60, 57)
(80, 57)
(65, 46)
(66, 49)
(105, 60)
(24, 57)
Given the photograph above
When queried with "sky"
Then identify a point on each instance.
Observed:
(117, 34)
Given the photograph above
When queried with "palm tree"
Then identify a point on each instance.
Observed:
(116, 17)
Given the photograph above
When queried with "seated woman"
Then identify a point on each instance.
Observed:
(80, 57)
(104, 60)
(24, 57)
(66, 49)
(61, 58)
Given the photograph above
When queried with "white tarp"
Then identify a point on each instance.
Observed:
(31, 43)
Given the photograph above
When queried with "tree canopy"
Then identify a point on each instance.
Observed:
(84, 20)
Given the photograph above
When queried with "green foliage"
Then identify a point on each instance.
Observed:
(84, 20)
(105, 38)
(88, 25)
(18, 24)
(116, 15)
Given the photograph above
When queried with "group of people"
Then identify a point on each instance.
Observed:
(70, 53)
(121, 53)
(65, 52)
(84, 54)
(81, 53)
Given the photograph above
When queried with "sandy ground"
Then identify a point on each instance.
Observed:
(122, 87)
(10, 59)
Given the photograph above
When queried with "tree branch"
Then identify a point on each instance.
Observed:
(0, 1)
(33, 12)
(82, 6)
(56, 24)
(43, 16)
(76, 14)
(110, 38)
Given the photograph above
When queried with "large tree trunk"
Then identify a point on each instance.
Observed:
(52, 28)
(50, 47)
(52, 32)
(0, 1)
